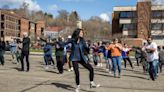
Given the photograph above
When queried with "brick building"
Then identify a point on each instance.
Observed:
(52, 32)
(10, 24)
(140, 21)
(13, 25)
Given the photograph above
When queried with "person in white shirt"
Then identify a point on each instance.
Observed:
(152, 58)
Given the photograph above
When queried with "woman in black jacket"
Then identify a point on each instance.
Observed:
(60, 54)
(78, 56)
(2, 52)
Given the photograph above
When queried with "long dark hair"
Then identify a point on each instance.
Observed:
(75, 35)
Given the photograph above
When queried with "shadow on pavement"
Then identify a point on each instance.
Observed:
(64, 86)
(100, 70)
(135, 77)
(137, 72)
(16, 68)
(35, 86)
(67, 87)
(51, 71)
(104, 75)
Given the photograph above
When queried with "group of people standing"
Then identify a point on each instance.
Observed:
(19, 50)
(75, 50)
(78, 55)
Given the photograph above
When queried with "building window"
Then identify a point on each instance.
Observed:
(158, 37)
(156, 26)
(129, 27)
(42, 31)
(2, 33)
(2, 25)
(163, 14)
(157, 14)
(129, 14)
(2, 17)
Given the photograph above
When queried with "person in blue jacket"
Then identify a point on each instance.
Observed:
(78, 56)
(48, 54)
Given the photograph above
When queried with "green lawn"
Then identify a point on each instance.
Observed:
(39, 50)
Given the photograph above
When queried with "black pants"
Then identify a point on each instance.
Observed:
(95, 59)
(60, 63)
(76, 70)
(127, 59)
(26, 55)
(160, 65)
(138, 61)
(2, 59)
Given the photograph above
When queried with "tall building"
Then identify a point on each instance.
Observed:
(13, 25)
(140, 21)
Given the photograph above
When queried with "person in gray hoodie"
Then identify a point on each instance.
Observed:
(161, 58)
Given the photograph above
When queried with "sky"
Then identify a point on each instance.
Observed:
(85, 8)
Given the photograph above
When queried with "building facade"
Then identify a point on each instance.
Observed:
(10, 24)
(140, 21)
(13, 25)
(52, 32)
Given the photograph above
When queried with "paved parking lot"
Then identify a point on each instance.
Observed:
(39, 80)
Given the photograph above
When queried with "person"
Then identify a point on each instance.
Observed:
(18, 50)
(48, 54)
(137, 55)
(125, 55)
(143, 60)
(67, 55)
(116, 49)
(78, 57)
(100, 52)
(13, 45)
(2, 52)
(109, 60)
(60, 54)
(95, 50)
(152, 58)
(161, 58)
(25, 52)
(67, 49)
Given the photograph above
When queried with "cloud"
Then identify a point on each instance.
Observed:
(105, 16)
(32, 4)
(53, 7)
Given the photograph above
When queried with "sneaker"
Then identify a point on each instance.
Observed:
(101, 65)
(71, 68)
(157, 75)
(119, 75)
(46, 67)
(94, 85)
(77, 88)
(107, 69)
(114, 75)
(148, 78)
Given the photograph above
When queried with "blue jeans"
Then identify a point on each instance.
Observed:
(48, 58)
(153, 68)
(116, 62)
